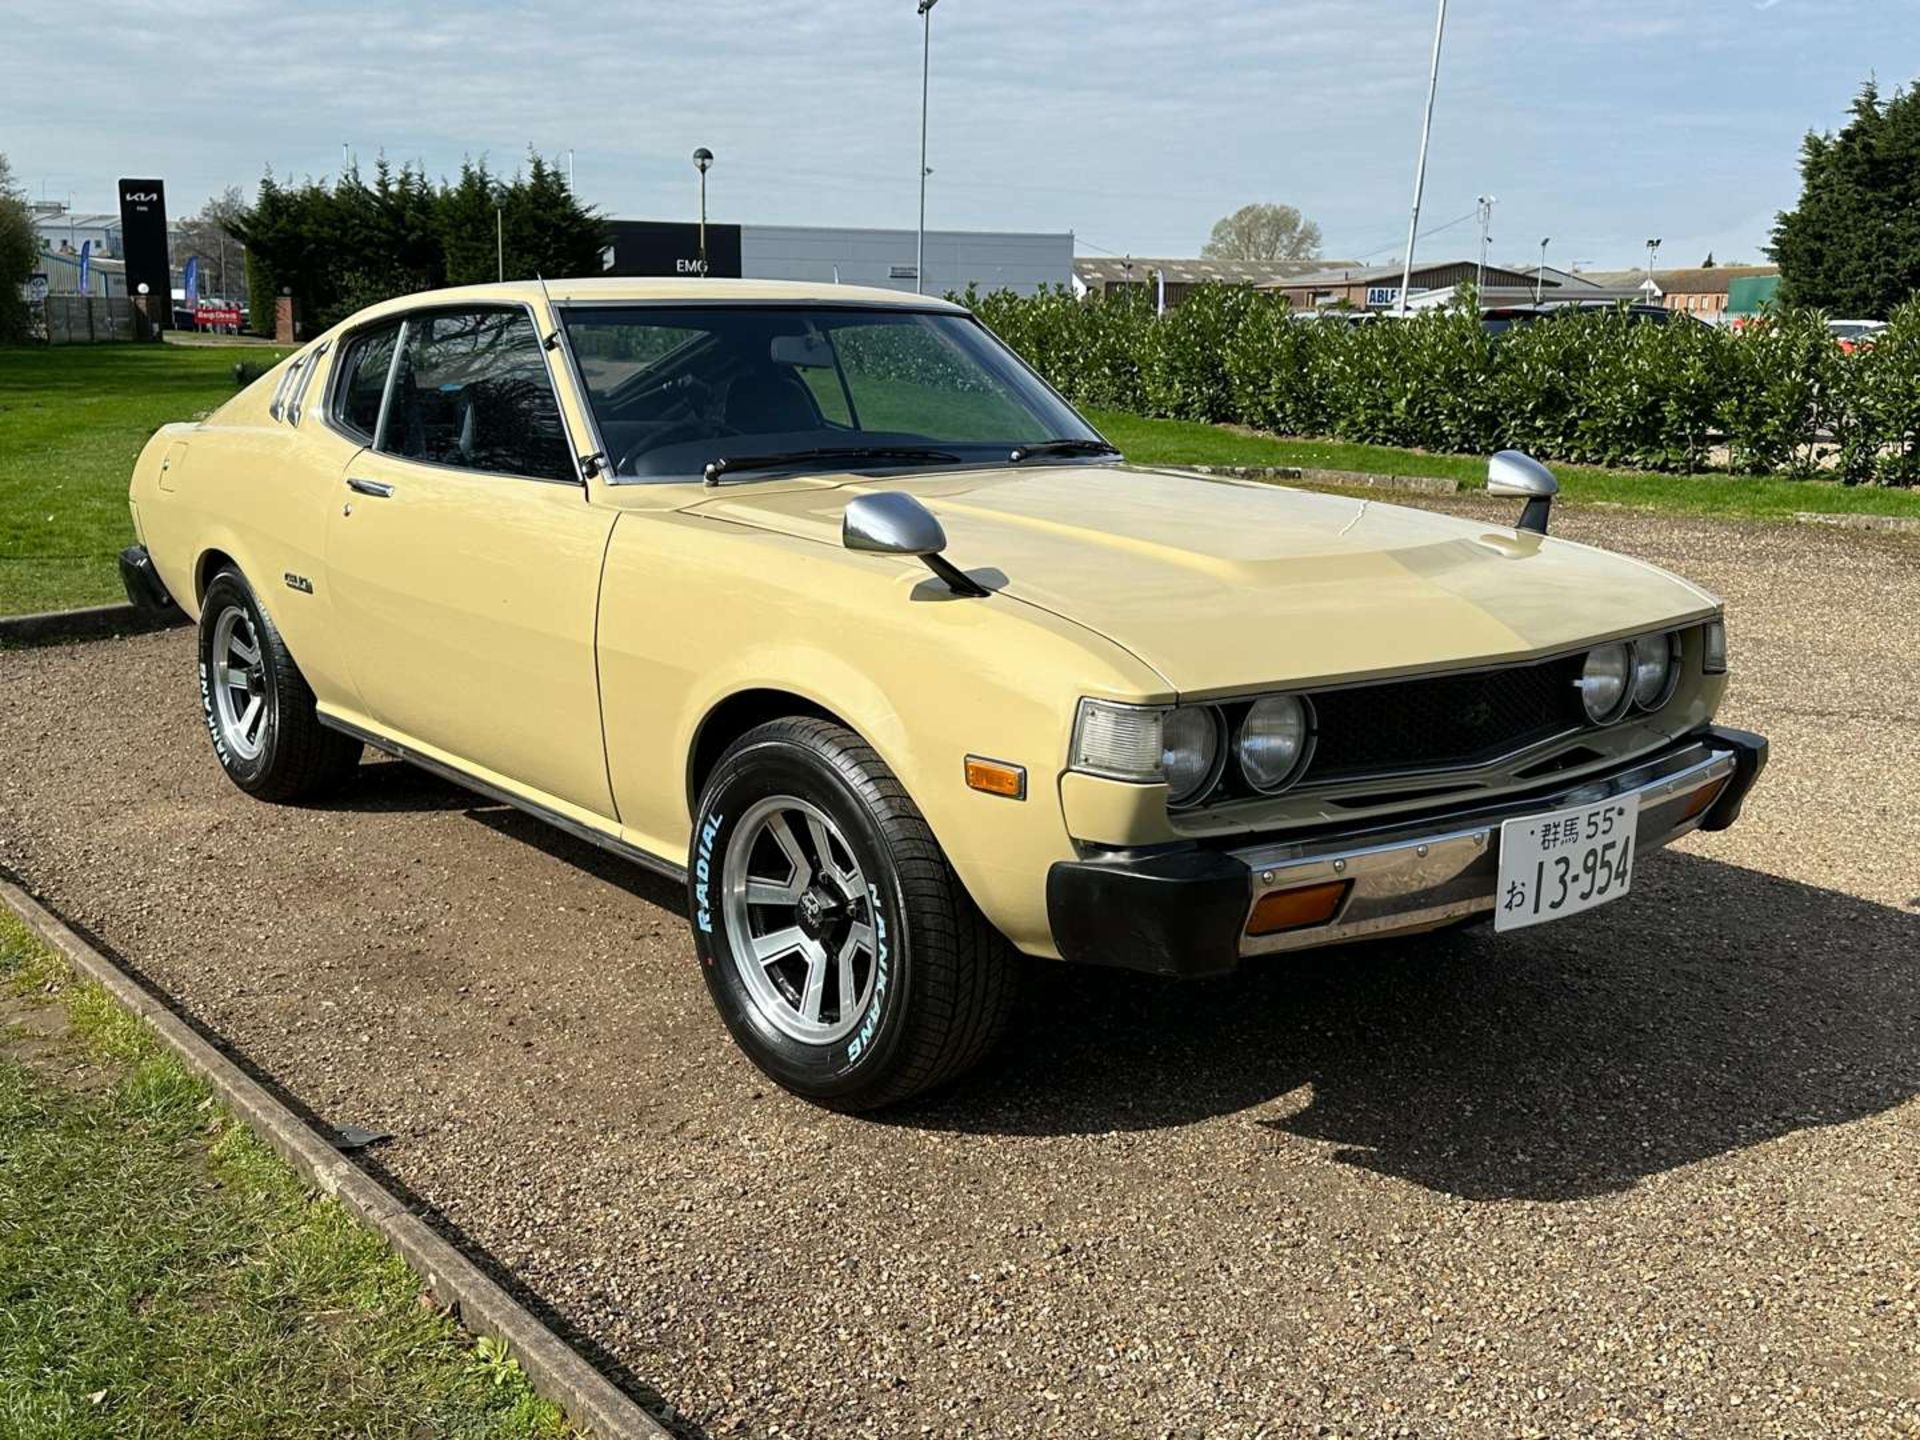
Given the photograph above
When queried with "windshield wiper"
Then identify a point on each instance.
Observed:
(1061, 447)
(728, 464)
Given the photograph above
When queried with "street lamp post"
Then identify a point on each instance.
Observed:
(926, 64)
(1653, 251)
(1486, 203)
(499, 236)
(1540, 275)
(702, 160)
(1420, 171)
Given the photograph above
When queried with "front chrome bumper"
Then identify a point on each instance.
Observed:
(1187, 912)
(1419, 877)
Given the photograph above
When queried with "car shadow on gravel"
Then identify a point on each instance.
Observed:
(1715, 1009)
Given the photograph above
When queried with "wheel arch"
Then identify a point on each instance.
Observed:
(212, 560)
(733, 716)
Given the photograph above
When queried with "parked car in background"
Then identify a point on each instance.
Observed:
(1853, 335)
(1501, 318)
(818, 600)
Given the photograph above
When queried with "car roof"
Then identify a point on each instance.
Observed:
(613, 290)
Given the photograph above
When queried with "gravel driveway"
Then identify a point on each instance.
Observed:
(1652, 1171)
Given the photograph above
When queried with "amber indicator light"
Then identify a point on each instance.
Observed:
(1702, 798)
(1297, 909)
(996, 777)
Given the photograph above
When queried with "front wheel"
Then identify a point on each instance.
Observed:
(839, 946)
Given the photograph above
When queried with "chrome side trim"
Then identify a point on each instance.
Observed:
(646, 859)
(1411, 878)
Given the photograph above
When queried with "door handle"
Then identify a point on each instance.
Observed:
(370, 487)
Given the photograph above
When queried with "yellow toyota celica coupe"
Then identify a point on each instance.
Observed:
(820, 599)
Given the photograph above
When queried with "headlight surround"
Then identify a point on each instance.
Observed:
(1656, 669)
(1606, 682)
(1274, 740)
(1179, 746)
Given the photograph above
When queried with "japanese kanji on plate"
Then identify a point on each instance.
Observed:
(1564, 862)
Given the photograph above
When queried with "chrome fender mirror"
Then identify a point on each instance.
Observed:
(1517, 475)
(894, 523)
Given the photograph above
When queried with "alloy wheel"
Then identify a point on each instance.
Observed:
(242, 698)
(800, 918)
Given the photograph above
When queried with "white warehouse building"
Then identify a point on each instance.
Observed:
(955, 259)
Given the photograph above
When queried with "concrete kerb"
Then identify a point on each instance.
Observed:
(1850, 521)
(95, 622)
(595, 1405)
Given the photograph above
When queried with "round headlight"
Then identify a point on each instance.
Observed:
(1273, 742)
(1190, 755)
(1606, 682)
(1654, 670)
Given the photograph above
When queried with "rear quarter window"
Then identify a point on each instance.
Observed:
(364, 365)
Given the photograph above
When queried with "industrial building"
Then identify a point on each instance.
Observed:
(955, 259)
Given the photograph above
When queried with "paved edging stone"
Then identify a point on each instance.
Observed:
(1857, 521)
(594, 1404)
(95, 622)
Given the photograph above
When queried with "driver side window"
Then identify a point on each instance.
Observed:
(471, 391)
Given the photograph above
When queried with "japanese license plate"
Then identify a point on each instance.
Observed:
(1566, 862)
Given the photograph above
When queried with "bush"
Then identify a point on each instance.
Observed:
(1589, 387)
(1882, 444)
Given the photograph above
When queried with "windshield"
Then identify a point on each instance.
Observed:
(677, 389)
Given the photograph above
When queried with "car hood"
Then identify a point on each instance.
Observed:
(1224, 584)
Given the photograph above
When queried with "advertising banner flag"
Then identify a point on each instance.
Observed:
(86, 265)
(191, 283)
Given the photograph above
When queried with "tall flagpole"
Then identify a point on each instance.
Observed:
(1420, 173)
(926, 62)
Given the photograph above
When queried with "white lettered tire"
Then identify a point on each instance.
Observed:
(258, 708)
(839, 946)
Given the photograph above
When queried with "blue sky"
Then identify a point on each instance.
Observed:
(1133, 123)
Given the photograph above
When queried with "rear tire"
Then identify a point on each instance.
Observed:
(258, 707)
(839, 945)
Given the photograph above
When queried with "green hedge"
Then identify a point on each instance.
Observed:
(1586, 387)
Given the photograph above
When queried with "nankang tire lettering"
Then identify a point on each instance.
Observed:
(882, 975)
(213, 721)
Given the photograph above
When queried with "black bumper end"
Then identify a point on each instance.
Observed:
(1178, 913)
(143, 585)
(1749, 759)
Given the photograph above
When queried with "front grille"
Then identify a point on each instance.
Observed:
(1443, 722)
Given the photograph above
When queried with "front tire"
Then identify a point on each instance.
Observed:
(839, 946)
(258, 708)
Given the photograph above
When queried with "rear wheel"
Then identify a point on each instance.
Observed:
(258, 707)
(839, 946)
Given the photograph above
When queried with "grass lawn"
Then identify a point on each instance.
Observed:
(1187, 442)
(163, 1274)
(72, 421)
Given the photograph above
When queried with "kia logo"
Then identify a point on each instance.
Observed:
(136, 197)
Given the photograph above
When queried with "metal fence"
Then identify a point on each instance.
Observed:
(86, 319)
